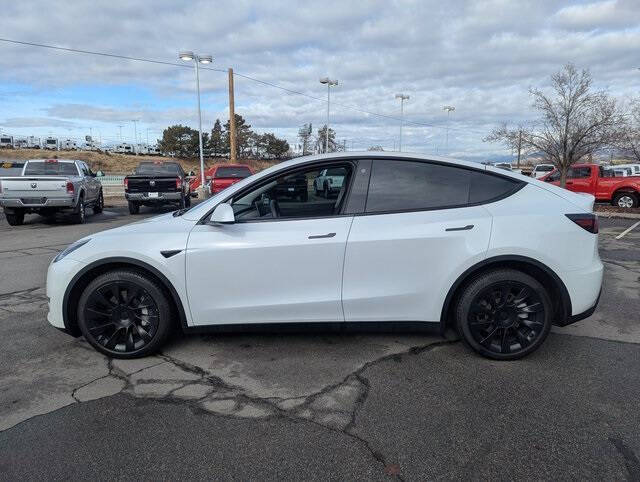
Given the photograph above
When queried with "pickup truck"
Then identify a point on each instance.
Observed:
(329, 181)
(593, 179)
(156, 183)
(224, 175)
(48, 186)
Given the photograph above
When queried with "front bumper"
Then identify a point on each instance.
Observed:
(144, 197)
(59, 275)
(43, 202)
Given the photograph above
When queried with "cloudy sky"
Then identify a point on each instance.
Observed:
(479, 56)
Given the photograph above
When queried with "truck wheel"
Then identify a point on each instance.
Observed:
(304, 197)
(79, 215)
(183, 202)
(99, 205)
(16, 218)
(134, 208)
(625, 200)
(187, 201)
(325, 192)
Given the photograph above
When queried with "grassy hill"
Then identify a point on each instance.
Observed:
(111, 163)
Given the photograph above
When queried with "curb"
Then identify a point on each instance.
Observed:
(608, 215)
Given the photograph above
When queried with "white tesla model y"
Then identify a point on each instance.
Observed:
(395, 238)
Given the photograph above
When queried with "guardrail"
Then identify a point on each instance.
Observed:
(112, 186)
(111, 180)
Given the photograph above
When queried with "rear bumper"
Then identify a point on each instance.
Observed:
(584, 287)
(47, 203)
(144, 197)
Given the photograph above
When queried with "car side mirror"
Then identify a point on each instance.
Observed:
(99, 174)
(223, 214)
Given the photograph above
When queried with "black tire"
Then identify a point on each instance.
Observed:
(315, 188)
(187, 201)
(183, 202)
(16, 218)
(134, 207)
(124, 314)
(304, 197)
(79, 215)
(504, 314)
(325, 191)
(625, 200)
(98, 207)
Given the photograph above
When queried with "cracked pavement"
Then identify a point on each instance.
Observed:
(315, 405)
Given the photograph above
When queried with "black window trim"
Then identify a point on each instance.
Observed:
(517, 185)
(353, 162)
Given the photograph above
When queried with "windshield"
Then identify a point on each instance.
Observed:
(150, 168)
(50, 168)
(544, 168)
(237, 172)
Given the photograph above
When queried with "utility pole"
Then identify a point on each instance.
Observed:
(519, 146)
(449, 109)
(344, 145)
(329, 82)
(120, 133)
(135, 130)
(402, 98)
(232, 120)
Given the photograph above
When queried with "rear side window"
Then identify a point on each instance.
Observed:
(408, 185)
(234, 172)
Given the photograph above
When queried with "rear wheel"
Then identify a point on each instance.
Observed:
(123, 314)
(134, 207)
(79, 215)
(625, 200)
(16, 218)
(325, 191)
(187, 201)
(99, 205)
(183, 202)
(504, 314)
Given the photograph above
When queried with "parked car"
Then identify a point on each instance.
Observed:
(408, 238)
(49, 186)
(294, 186)
(593, 179)
(329, 181)
(224, 175)
(541, 170)
(634, 168)
(157, 183)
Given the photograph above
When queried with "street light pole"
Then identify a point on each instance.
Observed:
(135, 130)
(449, 109)
(329, 82)
(189, 56)
(402, 98)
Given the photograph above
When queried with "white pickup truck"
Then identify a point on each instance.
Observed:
(329, 181)
(48, 186)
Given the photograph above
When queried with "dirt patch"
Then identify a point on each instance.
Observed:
(111, 163)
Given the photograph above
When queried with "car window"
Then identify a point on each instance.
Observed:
(412, 185)
(158, 169)
(300, 194)
(50, 168)
(579, 172)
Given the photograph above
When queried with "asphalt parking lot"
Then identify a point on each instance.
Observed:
(320, 405)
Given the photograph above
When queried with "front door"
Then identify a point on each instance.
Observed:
(281, 261)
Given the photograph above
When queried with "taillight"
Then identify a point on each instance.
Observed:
(178, 183)
(588, 222)
(70, 187)
(126, 184)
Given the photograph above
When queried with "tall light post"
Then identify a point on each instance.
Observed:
(135, 134)
(329, 82)
(402, 98)
(189, 56)
(449, 109)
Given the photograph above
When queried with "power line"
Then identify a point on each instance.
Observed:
(264, 82)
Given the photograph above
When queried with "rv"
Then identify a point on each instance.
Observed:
(124, 148)
(68, 145)
(153, 151)
(33, 142)
(6, 141)
(91, 144)
(50, 144)
(19, 143)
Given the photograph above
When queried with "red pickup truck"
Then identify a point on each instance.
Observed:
(594, 179)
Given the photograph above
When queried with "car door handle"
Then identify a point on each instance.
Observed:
(461, 228)
(320, 236)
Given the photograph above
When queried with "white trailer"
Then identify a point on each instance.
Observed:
(20, 143)
(33, 142)
(124, 148)
(68, 145)
(153, 150)
(50, 144)
(91, 144)
(6, 141)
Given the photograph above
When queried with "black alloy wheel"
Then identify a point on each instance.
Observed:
(504, 314)
(124, 315)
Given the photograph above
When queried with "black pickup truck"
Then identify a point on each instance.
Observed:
(156, 183)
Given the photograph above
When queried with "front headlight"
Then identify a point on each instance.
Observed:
(70, 249)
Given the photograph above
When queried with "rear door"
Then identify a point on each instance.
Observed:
(423, 225)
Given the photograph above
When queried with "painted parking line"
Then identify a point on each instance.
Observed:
(627, 230)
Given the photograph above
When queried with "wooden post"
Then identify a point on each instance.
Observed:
(232, 120)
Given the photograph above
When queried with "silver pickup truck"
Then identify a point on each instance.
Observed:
(48, 186)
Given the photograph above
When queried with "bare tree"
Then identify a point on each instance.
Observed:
(575, 121)
(515, 139)
(628, 140)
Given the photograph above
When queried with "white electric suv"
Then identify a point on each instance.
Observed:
(407, 238)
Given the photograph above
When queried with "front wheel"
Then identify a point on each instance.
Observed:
(124, 314)
(504, 314)
(98, 207)
(625, 200)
